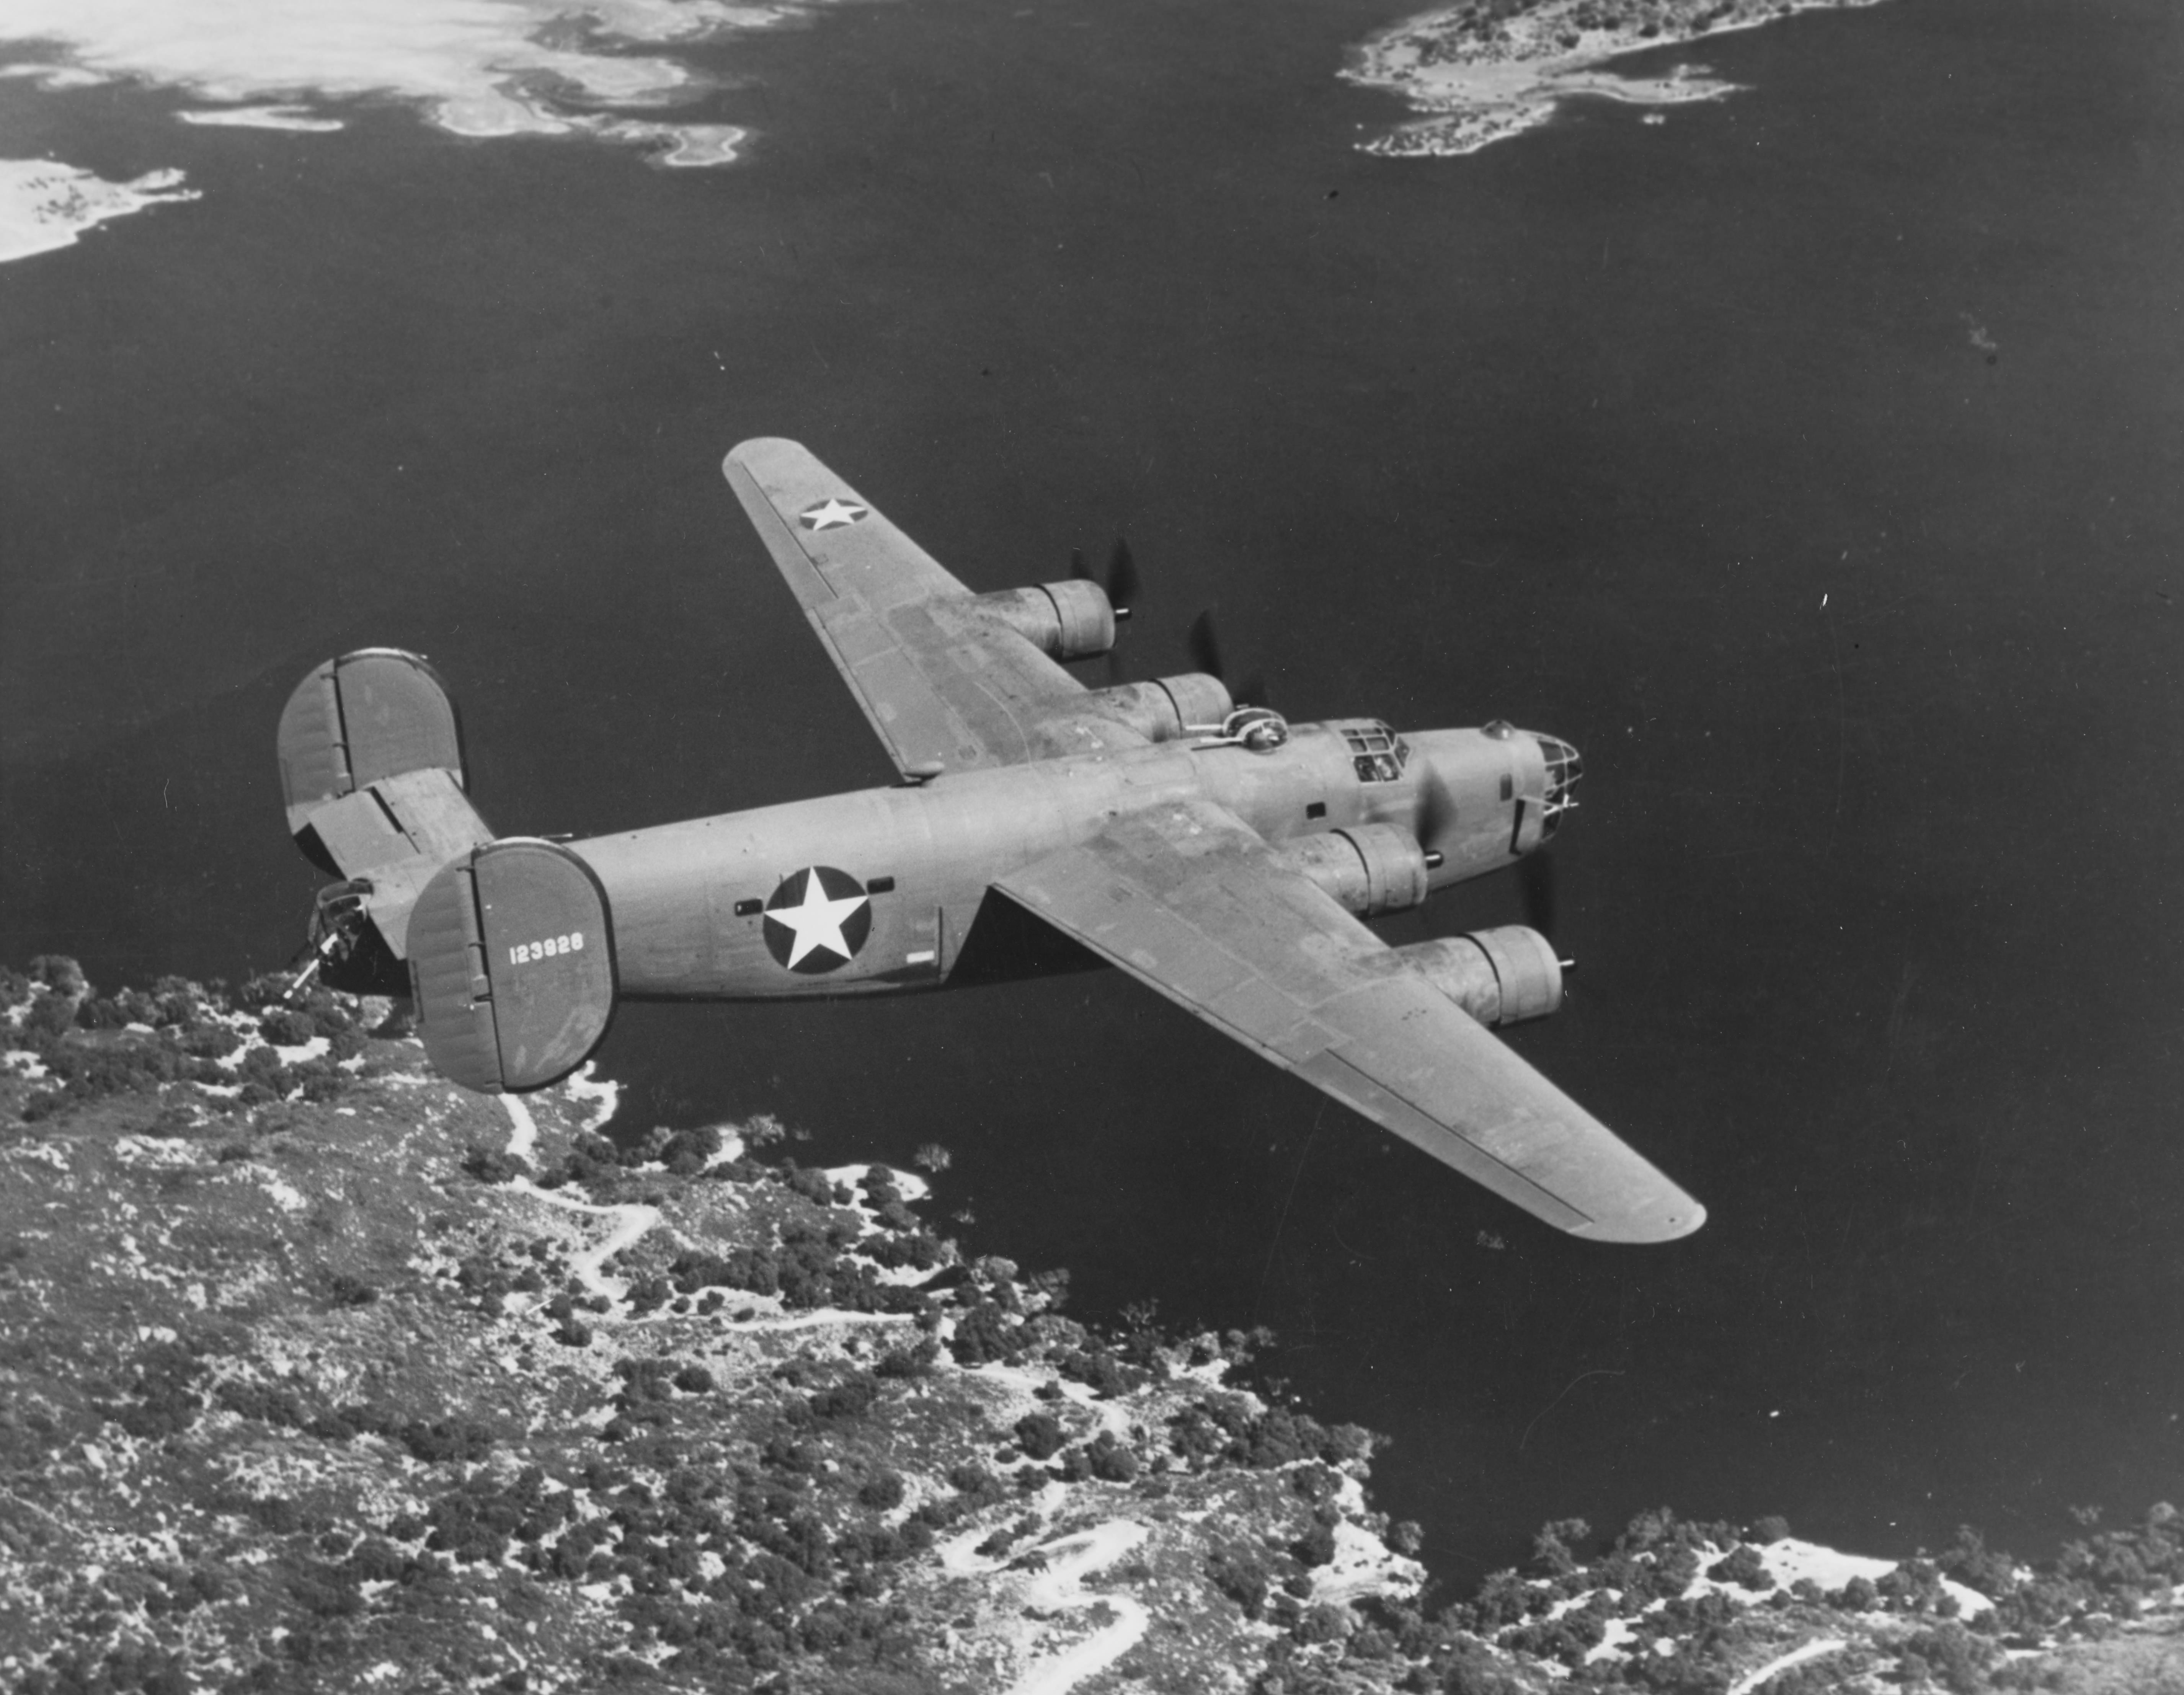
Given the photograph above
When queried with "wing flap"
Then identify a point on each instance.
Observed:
(1188, 900)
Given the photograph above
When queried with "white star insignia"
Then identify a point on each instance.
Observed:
(831, 514)
(817, 922)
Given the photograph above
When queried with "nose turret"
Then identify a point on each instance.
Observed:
(1564, 768)
(1482, 798)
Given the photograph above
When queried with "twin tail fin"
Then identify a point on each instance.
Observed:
(507, 944)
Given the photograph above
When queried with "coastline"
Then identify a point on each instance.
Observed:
(1478, 81)
(337, 1375)
(483, 73)
(46, 205)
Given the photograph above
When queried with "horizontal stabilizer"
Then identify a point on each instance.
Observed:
(511, 959)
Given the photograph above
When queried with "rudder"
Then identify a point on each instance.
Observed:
(511, 959)
(375, 713)
(372, 775)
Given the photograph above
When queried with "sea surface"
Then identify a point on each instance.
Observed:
(1811, 459)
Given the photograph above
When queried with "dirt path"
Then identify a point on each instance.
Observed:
(631, 1221)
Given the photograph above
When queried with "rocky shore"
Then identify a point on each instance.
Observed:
(318, 1373)
(1483, 70)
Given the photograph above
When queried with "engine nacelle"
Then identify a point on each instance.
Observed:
(1368, 867)
(1173, 707)
(1069, 620)
(1500, 977)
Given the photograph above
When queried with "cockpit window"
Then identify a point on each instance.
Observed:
(1379, 754)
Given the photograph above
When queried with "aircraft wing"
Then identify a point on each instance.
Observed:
(948, 686)
(1187, 898)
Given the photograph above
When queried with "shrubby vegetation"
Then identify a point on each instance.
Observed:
(738, 1527)
(1223, 1427)
(2089, 1589)
(158, 1044)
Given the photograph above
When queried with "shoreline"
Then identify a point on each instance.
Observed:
(512, 69)
(46, 205)
(370, 1373)
(1476, 82)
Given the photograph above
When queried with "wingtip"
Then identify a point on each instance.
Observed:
(1667, 1220)
(742, 453)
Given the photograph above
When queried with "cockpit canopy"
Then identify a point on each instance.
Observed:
(1376, 751)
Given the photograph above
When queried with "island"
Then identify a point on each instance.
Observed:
(617, 74)
(318, 1373)
(45, 204)
(1483, 70)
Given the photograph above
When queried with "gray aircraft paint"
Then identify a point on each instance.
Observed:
(674, 889)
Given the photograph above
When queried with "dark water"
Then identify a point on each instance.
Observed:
(1675, 440)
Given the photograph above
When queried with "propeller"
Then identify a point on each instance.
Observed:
(1122, 585)
(1535, 883)
(1205, 654)
(1123, 580)
(1205, 646)
(1436, 811)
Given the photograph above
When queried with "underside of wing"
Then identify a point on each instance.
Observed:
(946, 684)
(1190, 900)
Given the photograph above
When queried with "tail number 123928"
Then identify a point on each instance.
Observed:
(524, 952)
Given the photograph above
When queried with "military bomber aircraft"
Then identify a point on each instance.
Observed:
(1215, 852)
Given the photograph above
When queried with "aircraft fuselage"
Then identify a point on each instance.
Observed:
(881, 888)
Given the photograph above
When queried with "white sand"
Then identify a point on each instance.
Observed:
(260, 118)
(1789, 1559)
(523, 1138)
(46, 205)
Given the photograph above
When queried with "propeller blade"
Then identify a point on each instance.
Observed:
(1205, 646)
(1436, 811)
(1123, 583)
(1536, 883)
(1077, 568)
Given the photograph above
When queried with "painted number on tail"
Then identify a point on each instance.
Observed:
(524, 952)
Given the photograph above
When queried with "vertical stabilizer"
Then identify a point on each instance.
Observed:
(372, 773)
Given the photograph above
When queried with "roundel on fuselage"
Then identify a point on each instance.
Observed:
(816, 920)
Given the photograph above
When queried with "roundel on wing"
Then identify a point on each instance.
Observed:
(816, 920)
